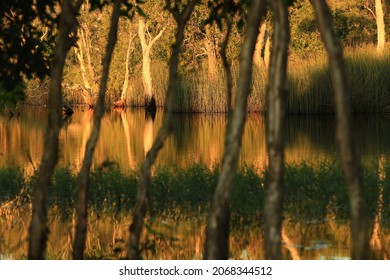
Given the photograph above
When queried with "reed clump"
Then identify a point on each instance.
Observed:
(310, 89)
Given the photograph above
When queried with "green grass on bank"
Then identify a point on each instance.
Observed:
(311, 191)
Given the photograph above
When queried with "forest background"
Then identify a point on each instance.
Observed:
(139, 66)
(196, 85)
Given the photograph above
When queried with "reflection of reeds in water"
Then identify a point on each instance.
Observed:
(196, 138)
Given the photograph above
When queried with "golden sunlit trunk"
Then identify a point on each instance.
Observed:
(267, 51)
(146, 60)
(380, 23)
(258, 56)
(87, 72)
(125, 86)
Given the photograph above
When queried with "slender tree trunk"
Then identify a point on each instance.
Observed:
(165, 130)
(146, 63)
(217, 232)
(349, 159)
(87, 73)
(380, 23)
(267, 51)
(257, 57)
(227, 65)
(87, 46)
(38, 228)
(275, 122)
(126, 80)
(83, 177)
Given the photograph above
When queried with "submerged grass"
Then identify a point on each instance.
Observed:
(319, 187)
(314, 193)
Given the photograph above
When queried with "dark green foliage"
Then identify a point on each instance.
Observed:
(111, 190)
(371, 186)
(386, 195)
(24, 53)
(62, 193)
(353, 23)
(247, 196)
(11, 183)
(313, 191)
(186, 189)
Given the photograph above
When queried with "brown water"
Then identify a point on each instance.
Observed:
(127, 135)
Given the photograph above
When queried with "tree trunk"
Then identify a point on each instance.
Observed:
(267, 51)
(38, 228)
(165, 130)
(146, 61)
(258, 56)
(227, 65)
(275, 122)
(217, 232)
(87, 75)
(83, 177)
(126, 79)
(349, 158)
(380, 23)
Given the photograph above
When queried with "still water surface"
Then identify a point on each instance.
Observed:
(125, 138)
(127, 135)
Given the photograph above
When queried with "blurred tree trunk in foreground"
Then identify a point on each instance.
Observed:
(66, 38)
(83, 177)
(349, 159)
(217, 232)
(275, 126)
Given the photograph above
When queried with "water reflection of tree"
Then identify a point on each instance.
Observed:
(127, 129)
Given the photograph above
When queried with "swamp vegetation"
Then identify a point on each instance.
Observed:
(224, 56)
(179, 201)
